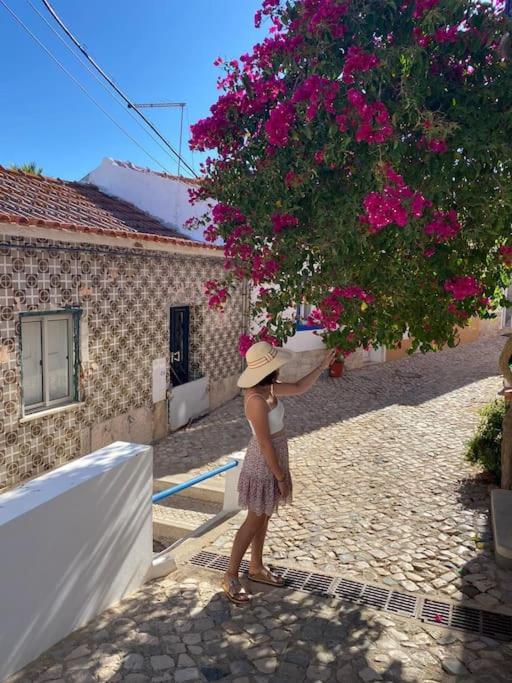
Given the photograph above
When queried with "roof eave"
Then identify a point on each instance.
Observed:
(69, 232)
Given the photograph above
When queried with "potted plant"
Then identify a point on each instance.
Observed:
(337, 366)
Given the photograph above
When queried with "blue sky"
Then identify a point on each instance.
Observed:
(154, 50)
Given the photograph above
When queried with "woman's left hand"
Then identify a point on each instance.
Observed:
(329, 359)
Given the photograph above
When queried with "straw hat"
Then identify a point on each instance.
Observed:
(262, 359)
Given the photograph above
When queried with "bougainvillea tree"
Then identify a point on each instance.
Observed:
(362, 162)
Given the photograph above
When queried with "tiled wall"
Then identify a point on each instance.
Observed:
(125, 299)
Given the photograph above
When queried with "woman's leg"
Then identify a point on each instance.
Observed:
(257, 544)
(252, 526)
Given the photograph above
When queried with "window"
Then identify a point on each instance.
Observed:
(49, 360)
(301, 317)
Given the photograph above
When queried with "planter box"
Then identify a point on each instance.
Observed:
(187, 402)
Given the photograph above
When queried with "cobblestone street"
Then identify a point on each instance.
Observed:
(382, 491)
(382, 494)
(182, 629)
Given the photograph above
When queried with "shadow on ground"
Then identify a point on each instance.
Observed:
(185, 630)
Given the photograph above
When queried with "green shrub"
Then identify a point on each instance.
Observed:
(485, 446)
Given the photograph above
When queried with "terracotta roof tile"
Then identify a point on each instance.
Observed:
(48, 202)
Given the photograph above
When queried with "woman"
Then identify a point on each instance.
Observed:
(265, 479)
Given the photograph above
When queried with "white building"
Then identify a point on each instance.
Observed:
(162, 195)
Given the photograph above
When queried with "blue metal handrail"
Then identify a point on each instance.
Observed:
(191, 482)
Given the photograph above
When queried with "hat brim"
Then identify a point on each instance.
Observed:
(250, 377)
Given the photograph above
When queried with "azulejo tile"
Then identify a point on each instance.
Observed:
(126, 300)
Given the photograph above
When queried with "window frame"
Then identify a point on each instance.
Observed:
(301, 324)
(72, 316)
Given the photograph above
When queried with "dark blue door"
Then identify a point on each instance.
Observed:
(179, 344)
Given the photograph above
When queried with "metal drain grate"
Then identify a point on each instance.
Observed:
(401, 603)
(435, 612)
(350, 590)
(221, 563)
(498, 626)
(319, 584)
(465, 618)
(374, 597)
(204, 559)
(295, 578)
(490, 624)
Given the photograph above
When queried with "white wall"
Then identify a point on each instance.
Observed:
(304, 340)
(72, 542)
(187, 402)
(164, 197)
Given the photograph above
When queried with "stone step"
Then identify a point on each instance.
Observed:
(211, 490)
(179, 516)
(501, 509)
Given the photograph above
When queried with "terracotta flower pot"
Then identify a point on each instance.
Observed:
(336, 368)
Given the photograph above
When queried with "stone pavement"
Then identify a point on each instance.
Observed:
(182, 629)
(382, 492)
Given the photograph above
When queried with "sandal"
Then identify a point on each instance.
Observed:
(268, 577)
(235, 592)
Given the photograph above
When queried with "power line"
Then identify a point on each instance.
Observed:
(113, 85)
(98, 79)
(77, 82)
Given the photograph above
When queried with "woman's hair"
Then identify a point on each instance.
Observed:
(269, 379)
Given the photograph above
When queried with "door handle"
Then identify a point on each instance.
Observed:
(175, 357)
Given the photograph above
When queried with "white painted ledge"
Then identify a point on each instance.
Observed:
(73, 542)
(47, 412)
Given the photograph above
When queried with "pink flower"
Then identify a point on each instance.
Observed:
(324, 15)
(463, 287)
(218, 295)
(210, 233)
(371, 118)
(319, 156)
(331, 308)
(421, 38)
(356, 98)
(282, 221)
(357, 60)
(444, 226)
(342, 121)
(292, 179)
(423, 6)
(447, 34)
(316, 91)
(224, 213)
(438, 146)
(394, 205)
(244, 344)
(429, 252)
(263, 266)
(418, 205)
(264, 335)
(435, 145)
(506, 252)
(281, 119)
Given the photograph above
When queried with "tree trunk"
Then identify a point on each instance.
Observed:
(506, 444)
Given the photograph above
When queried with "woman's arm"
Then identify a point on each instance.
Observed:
(300, 387)
(257, 412)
